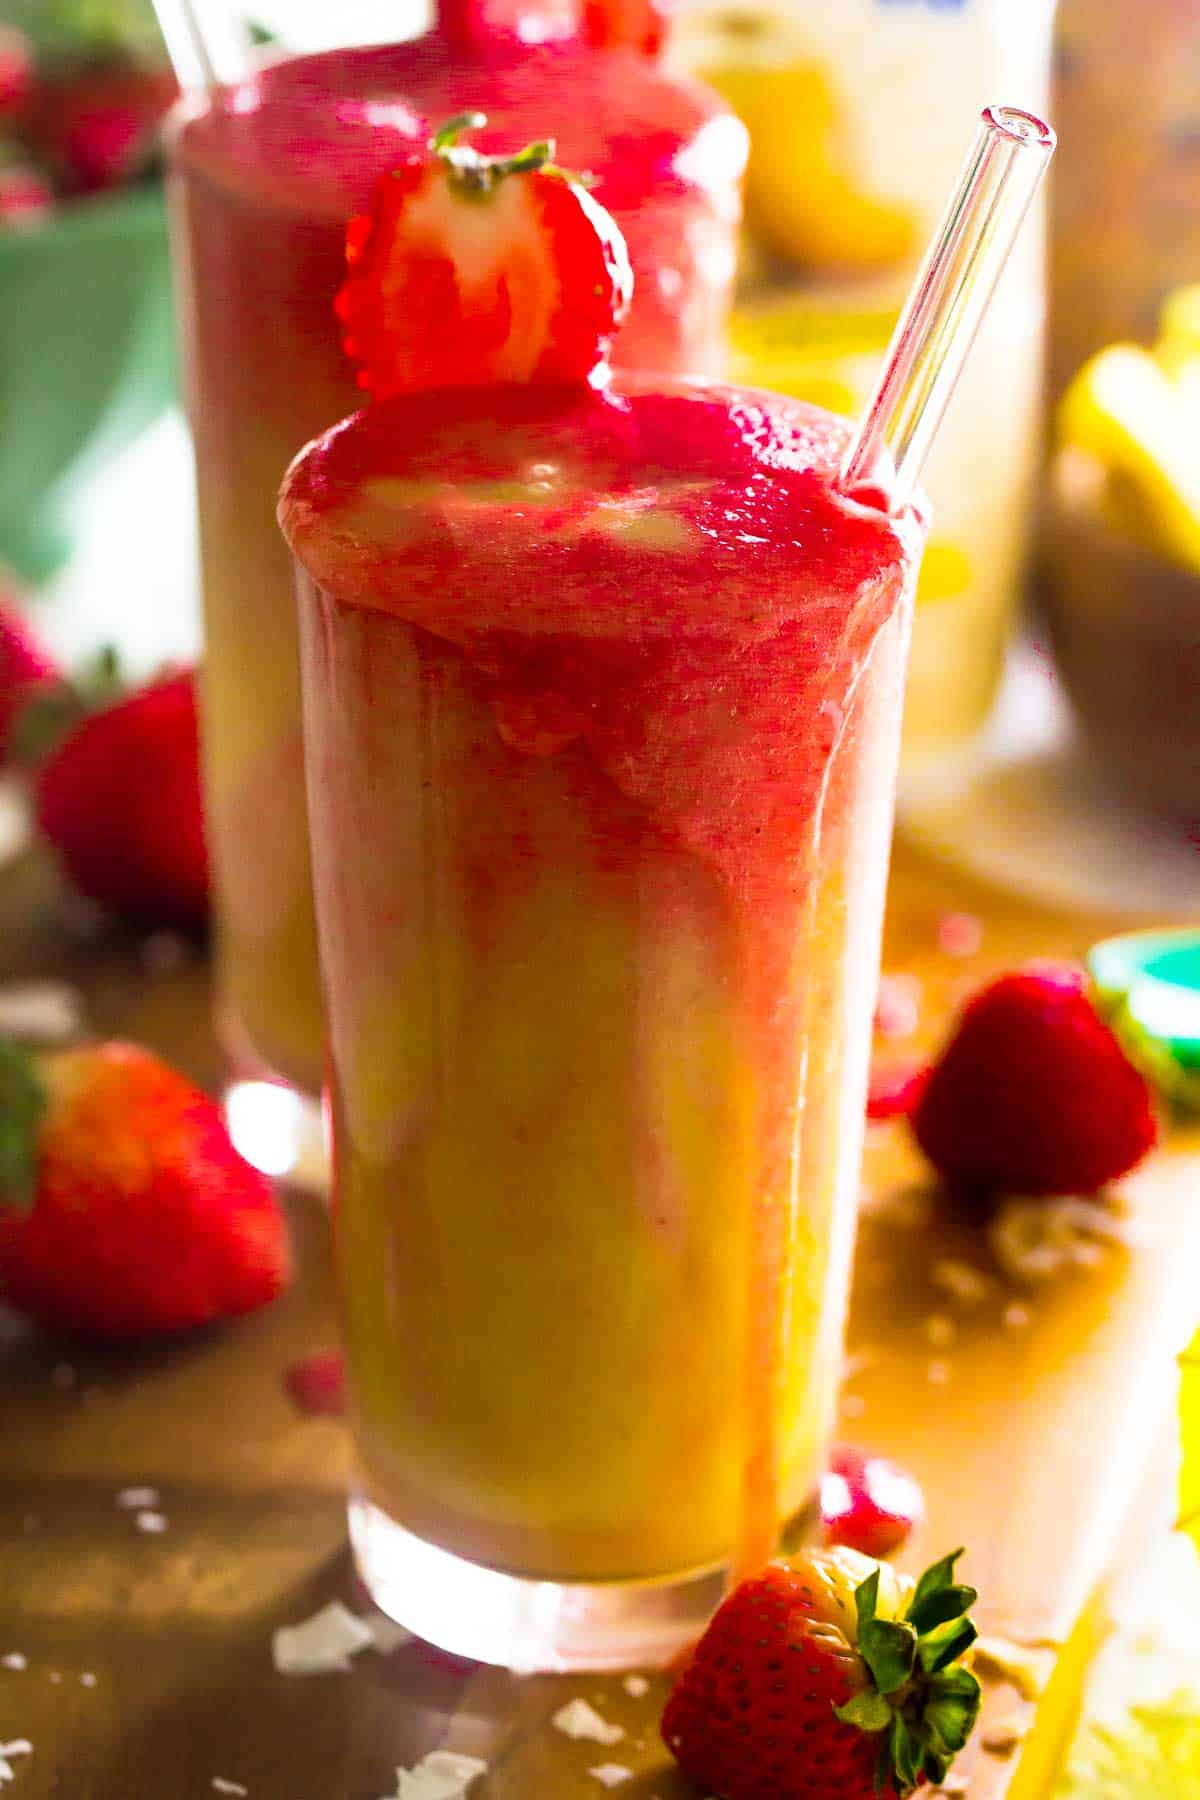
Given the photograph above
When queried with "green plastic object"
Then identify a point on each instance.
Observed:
(86, 360)
(1147, 985)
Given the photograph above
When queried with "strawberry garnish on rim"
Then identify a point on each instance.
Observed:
(473, 269)
(828, 1676)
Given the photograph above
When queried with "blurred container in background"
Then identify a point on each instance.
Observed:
(86, 340)
(1125, 207)
(859, 112)
(1119, 576)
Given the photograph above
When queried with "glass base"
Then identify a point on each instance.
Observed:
(528, 1626)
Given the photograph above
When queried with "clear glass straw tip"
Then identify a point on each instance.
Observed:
(952, 292)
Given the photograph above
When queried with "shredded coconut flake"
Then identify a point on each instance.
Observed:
(442, 1775)
(579, 1720)
(857, 1362)
(636, 1685)
(41, 1012)
(1016, 1317)
(907, 1209)
(1039, 1240)
(136, 1499)
(18, 1747)
(14, 1660)
(1003, 1738)
(321, 1645)
(611, 1775)
(153, 1523)
(1026, 1668)
(221, 1786)
(961, 1280)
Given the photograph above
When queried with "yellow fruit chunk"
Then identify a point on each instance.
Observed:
(828, 356)
(945, 572)
(1124, 412)
(1179, 322)
(802, 195)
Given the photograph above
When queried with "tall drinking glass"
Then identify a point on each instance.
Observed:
(837, 218)
(264, 176)
(602, 702)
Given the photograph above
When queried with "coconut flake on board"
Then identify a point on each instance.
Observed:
(442, 1775)
(579, 1720)
(322, 1645)
(18, 1747)
(41, 1012)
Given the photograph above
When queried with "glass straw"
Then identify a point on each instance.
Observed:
(208, 47)
(943, 313)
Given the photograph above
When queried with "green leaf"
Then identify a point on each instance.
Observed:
(866, 1598)
(446, 136)
(868, 1710)
(948, 1603)
(55, 708)
(948, 1644)
(889, 1649)
(935, 1580)
(907, 1756)
(22, 1104)
(952, 1709)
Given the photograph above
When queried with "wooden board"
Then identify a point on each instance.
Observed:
(1029, 1448)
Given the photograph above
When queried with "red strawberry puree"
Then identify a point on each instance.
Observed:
(602, 702)
(265, 178)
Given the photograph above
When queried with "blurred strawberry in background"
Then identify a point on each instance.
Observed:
(84, 86)
(125, 1211)
(96, 124)
(116, 787)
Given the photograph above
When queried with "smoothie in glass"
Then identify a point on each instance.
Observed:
(264, 178)
(602, 703)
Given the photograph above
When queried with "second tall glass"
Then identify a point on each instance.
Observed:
(264, 178)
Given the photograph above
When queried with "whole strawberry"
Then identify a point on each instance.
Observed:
(476, 269)
(25, 663)
(119, 798)
(827, 1677)
(868, 1503)
(1033, 1094)
(97, 124)
(125, 1211)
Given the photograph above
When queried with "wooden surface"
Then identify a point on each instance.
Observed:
(149, 1670)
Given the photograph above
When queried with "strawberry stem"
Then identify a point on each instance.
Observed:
(922, 1703)
(476, 175)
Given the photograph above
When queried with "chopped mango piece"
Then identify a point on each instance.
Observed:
(1124, 411)
(804, 196)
